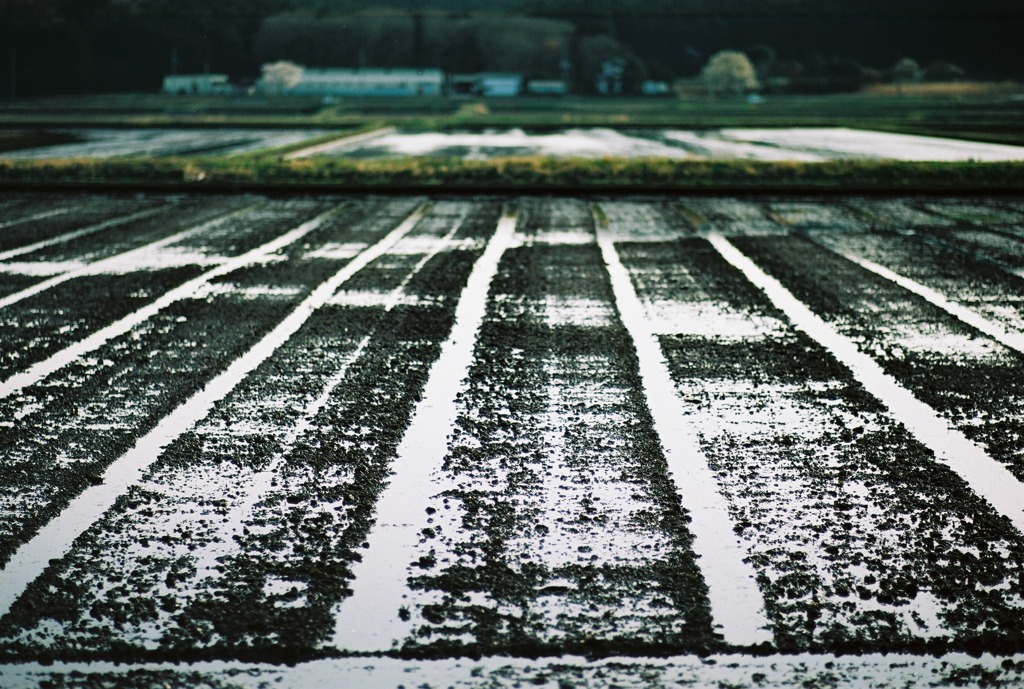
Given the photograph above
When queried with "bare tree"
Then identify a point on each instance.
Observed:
(729, 71)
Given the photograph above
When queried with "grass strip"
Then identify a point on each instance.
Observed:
(281, 151)
(514, 174)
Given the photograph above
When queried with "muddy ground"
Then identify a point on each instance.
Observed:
(415, 441)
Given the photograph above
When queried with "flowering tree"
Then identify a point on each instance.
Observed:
(729, 71)
(281, 75)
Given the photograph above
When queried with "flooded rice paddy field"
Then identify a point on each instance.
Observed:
(805, 144)
(110, 143)
(414, 441)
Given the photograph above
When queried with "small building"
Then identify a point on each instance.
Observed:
(488, 85)
(655, 88)
(366, 82)
(610, 80)
(199, 84)
(546, 87)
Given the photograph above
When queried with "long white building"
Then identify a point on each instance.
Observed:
(367, 82)
(203, 84)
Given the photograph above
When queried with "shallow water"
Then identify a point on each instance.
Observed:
(803, 144)
(110, 143)
(796, 144)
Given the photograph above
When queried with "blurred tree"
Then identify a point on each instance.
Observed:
(531, 46)
(528, 45)
(729, 71)
(830, 74)
(43, 47)
(905, 71)
(944, 70)
(607, 66)
(280, 75)
(383, 40)
(457, 47)
(67, 46)
(763, 57)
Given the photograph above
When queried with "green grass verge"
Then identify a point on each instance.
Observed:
(511, 174)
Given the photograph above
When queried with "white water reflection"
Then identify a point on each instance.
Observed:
(712, 144)
(882, 670)
(806, 144)
(985, 475)
(109, 143)
(492, 143)
(800, 144)
(737, 605)
(369, 619)
(839, 142)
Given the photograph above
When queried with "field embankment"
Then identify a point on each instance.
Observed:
(514, 175)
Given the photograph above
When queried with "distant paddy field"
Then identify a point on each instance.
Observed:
(797, 144)
(146, 142)
(807, 144)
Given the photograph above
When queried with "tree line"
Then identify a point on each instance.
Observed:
(80, 46)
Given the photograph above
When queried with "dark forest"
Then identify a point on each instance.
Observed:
(84, 46)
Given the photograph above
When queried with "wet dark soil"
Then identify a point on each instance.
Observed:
(979, 393)
(82, 212)
(554, 527)
(850, 522)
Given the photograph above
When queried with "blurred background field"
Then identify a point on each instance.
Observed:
(259, 83)
(982, 112)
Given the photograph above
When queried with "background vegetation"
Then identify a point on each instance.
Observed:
(80, 46)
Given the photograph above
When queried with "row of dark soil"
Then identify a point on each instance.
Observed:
(74, 423)
(979, 394)
(309, 525)
(82, 210)
(848, 518)
(36, 327)
(560, 531)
